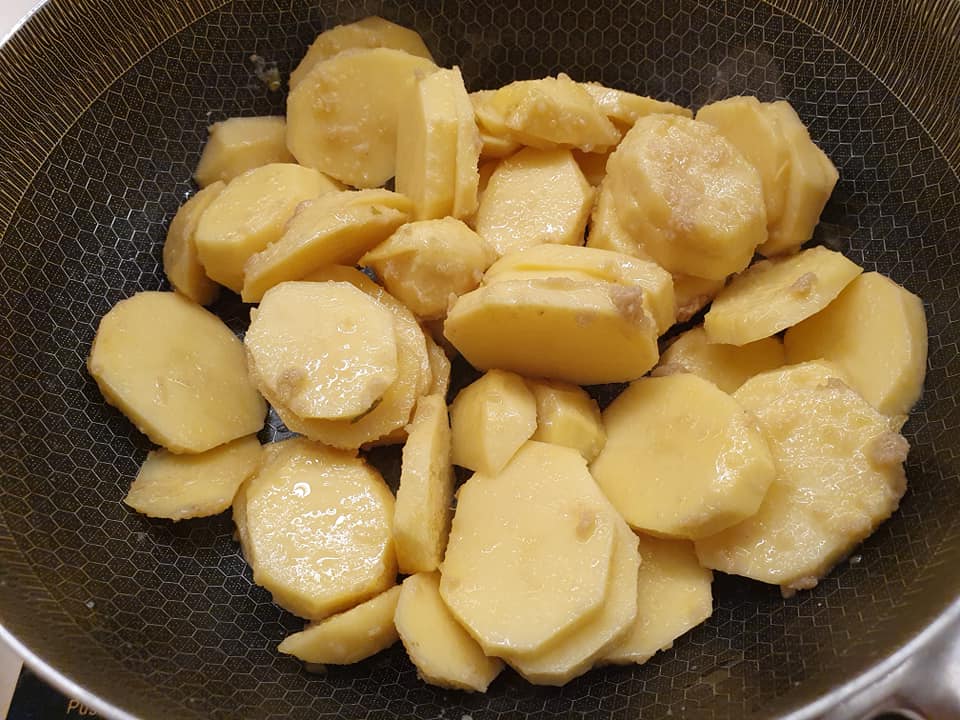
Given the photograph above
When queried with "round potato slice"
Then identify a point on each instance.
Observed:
(319, 522)
(238, 144)
(176, 371)
(323, 350)
(181, 263)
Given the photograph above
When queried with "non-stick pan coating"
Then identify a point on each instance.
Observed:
(103, 110)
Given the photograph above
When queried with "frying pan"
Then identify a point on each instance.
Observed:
(103, 110)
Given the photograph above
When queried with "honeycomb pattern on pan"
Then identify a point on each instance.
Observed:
(171, 608)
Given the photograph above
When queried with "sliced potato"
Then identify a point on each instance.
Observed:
(181, 263)
(336, 229)
(840, 474)
(425, 263)
(624, 108)
(319, 522)
(673, 597)
(490, 419)
(606, 231)
(529, 557)
(350, 636)
(773, 295)
(534, 197)
(693, 294)
(688, 196)
(443, 652)
(176, 371)
(568, 416)
(342, 115)
(495, 143)
(726, 366)
(876, 332)
(539, 328)
(178, 487)
(250, 214)
(370, 32)
(421, 522)
(575, 652)
(439, 368)
(240, 521)
(466, 190)
(238, 144)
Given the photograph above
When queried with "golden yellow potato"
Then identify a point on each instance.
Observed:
(370, 32)
(491, 419)
(178, 487)
(443, 652)
(574, 653)
(773, 295)
(423, 264)
(624, 108)
(495, 142)
(876, 333)
(726, 366)
(319, 522)
(238, 144)
(176, 371)
(421, 521)
(466, 188)
(693, 294)
(568, 416)
(606, 231)
(350, 636)
(539, 328)
(673, 597)
(529, 556)
(439, 368)
(250, 214)
(699, 465)
(840, 474)
(688, 196)
(335, 229)
(181, 263)
(342, 115)
(239, 513)
(534, 197)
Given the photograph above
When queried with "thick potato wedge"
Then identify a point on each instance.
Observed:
(250, 214)
(350, 636)
(529, 557)
(682, 458)
(178, 487)
(773, 295)
(624, 108)
(840, 474)
(181, 262)
(319, 522)
(342, 115)
(443, 652)
(876, 333)
(238, 144)
(176, 371)
(568, 416)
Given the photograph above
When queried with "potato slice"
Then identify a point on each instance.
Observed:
(624, 108)
(319, 522)
(443, 652)
(413, 380)
(550, 113)
(568, 416)
(592, 165)
(700, 464)
(773, 295)
(726, 366)
(840, 474)
(370, 32)
(688, 196)
(876, 332)
(810, 180)
(534, 197)
(529, 557)
(323, 350)
(603, 265)
(439, 368)
(181, 263)
(176, 371)
(494, 143)
(424, 263)
(574, 653)
(539, 328)
(673, 597)
(469, 144)
(342, 115)
(421, 522)
(240, 521)
(336, 229)
(250, 214)
(350, 636)
(491, 418)
(238, 144)
(178, 487)
(693, 294)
